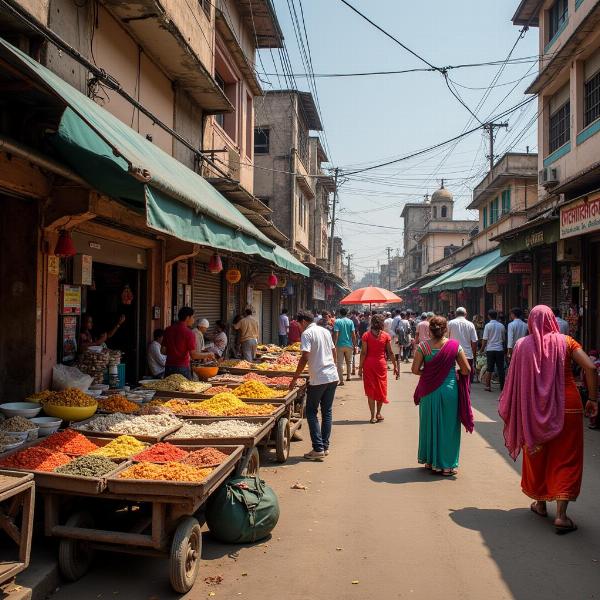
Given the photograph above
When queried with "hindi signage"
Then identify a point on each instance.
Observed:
(580, 217)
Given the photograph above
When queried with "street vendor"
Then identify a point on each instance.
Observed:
(86, 336)
(219, 341)
(248, 327)
(179, 345)
(199, 331)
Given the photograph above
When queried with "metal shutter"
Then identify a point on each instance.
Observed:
(207, 294)
(267, 316)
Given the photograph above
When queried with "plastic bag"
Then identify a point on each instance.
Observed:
(64, 377)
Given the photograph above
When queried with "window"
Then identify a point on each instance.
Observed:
(557, 16)
(591, 110)
(220, 117)
(444, 212)
(493, 211)
(261, 140)
(435, 212)
(560, 130)
(505, 202)
(485, 217)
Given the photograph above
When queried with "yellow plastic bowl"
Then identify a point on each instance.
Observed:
(205, 372)
(70, 413)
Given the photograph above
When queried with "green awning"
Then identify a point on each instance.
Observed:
(436, 285)
(541, 233)
(474, 273)
(122, 164)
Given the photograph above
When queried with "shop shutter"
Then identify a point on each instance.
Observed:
(545, 279)
(267, 316)
(207, 294)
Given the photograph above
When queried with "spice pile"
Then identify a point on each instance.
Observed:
(39, 396)
(68, 442)
(122, 447)
(69, 397)
(88, 466)
(179, 406)
(269, 348)
(217, 389)
(279, 381)
(206, 457)
(17, 424)
(236, 364)
(148, 425)
(295, 347)
(118, 403)
(256, 390)
(177, 383)
(220, 429)
(229, 405)
(227, 378)
(162, 452)
(7, 440)
(171, 471)
(35, 459)
(266, 366)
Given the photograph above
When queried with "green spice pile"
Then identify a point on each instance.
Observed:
(88, 466)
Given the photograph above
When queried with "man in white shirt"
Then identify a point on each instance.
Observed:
(284, 327)
(563, 326)
(494, 335)
(517, 328)
(464, 331)
(156, 359)
(318, 352)
(387, 324)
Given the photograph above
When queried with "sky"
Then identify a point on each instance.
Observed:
(369, 120)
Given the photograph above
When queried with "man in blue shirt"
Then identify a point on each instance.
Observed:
(344, 338)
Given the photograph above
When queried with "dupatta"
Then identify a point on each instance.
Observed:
(434, 374)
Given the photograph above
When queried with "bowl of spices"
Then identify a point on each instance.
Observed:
(20, 427)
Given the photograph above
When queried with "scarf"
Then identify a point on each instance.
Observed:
(434, 374)
(532, 404)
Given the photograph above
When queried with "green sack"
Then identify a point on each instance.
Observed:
(242, 510)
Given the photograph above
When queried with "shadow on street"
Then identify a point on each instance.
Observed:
(408, 475)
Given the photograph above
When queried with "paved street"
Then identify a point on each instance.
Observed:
(373, 525)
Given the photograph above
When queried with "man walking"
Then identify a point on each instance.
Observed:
(494, 336)
(248, 328)
(563, 326)
(284, 327)
(423, 333)
(318, 352)
(464, 331)
(344, 338)
(517, 328)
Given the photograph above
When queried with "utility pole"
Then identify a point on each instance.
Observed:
(335, 197)
(489, 127)
(348, 258)
(389, 269)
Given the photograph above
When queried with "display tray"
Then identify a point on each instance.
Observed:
(157, 437)
(236, 371)
(182, 489)
(266, 424)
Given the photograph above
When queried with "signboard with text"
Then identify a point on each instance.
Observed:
(318, 290)
(70, 300)
(580, 217)
(519, 267)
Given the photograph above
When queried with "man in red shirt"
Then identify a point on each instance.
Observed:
(179, 344)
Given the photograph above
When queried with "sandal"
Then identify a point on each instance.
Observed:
(448, 472)
(373, 421)
(536, 511)
(380, 418)
(563, 529)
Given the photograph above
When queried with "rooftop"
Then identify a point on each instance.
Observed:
(307, 107)
(527, 13)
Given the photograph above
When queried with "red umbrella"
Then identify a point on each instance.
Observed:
(371, 295)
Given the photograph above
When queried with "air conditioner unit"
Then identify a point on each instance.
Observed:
(568, 250)
(548, 176)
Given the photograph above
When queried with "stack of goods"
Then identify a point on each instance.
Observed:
(236, 364)
(227, 378)
(69, 397)
(117, 403)
(205, 457)
(68, 442)
(94, 364)
(217, 389)
(295, 347)
(177, 383)
(171, 471)
(35, 459)
(163, 452)
(17, 424)
(122, 447)
(146, 425)
(87, 466)
(256, 390)
(219, 429)
(7, 441)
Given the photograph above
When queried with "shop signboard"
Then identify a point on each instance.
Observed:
(519, 267)
(318, 290)
(82, 269)
(535, 238)
(70, 300)
(580, 217)
(69, 338)
(53, 264)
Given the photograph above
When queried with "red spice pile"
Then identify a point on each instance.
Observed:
(161, 452)
(35, 459)
(264, 379)
(206, 457)
(69, 442)
(217, 389)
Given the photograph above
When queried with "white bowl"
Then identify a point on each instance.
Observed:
(10, 447)
(138, 399)
(47, 425)
(94, 393)
(99, 386)
(21, 409)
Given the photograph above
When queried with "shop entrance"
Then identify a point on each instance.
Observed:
(593, 317)
(115, 292)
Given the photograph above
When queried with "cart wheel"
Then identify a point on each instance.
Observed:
(185, 555)
(253, 465)
(282, 447)
(74, 556)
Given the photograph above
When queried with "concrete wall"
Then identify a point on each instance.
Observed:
(37, 8)
(434, 244)
(188, 122)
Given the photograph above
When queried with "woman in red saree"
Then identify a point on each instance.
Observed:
(542, 413)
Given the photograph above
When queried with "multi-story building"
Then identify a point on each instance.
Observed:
(414, 215)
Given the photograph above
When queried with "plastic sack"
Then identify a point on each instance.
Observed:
(64, 377)
(242, 510)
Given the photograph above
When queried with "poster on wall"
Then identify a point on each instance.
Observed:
(576, 275)
(318, 290)
(70, 300)
(69, 338)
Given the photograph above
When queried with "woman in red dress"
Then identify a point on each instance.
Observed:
(376, 347)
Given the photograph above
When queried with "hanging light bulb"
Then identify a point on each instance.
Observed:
(215, 265)
(272, 281)
(65, 246)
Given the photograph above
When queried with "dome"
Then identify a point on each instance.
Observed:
(442, 195)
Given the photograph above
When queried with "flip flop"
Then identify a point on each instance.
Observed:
(537, 512)
(380, 418)
(448, 473)
(563, 529)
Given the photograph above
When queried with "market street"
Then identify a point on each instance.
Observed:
(374, 525)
